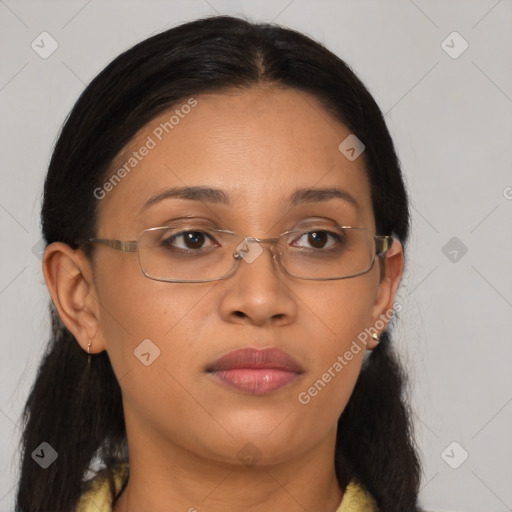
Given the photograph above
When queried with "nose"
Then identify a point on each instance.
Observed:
(257, 292)
(251, 248)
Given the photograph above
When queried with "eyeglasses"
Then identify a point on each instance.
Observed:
(192, 254)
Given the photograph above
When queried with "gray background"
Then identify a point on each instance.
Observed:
(451, 121)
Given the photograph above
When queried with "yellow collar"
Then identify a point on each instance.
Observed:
(99, 497)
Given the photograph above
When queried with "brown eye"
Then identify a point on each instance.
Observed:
(319, 239)
(190, 240)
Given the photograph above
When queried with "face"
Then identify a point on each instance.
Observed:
(258, 146)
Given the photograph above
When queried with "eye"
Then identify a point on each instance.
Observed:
(319, 238)
(190, 240)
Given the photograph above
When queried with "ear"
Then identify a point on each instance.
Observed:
(393, 266)
(68, 276)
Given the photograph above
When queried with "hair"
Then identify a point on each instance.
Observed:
(77, 407)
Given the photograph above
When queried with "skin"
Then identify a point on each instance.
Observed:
(184, 428)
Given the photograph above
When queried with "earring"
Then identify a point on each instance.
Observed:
(375, 336)
(89, 352)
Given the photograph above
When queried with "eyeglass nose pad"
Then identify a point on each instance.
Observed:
(249, 250)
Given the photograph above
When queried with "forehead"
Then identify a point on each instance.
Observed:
(258, 146)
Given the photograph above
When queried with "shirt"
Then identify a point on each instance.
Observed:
(99, 499)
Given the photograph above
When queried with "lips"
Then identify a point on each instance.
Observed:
(256, 358)
(255, 371)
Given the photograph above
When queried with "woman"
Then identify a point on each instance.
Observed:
(226, 221)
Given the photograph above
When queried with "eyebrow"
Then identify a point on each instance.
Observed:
(218, 196)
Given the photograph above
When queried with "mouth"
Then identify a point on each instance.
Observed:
(255, 371)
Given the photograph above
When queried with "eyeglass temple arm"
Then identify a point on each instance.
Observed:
(383, 244)
(118, 245)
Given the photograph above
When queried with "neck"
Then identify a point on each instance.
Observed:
(176, 479)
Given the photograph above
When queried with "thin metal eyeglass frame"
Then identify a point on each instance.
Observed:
(383, 244)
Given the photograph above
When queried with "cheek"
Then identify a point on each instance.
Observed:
(135, 309)
(341, 314)
(324, 396)
(147, 328)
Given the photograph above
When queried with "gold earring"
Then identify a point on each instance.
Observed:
(375, 336)
(89, 352)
